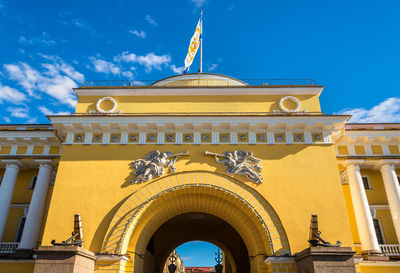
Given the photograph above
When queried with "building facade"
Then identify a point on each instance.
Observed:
(197, 157)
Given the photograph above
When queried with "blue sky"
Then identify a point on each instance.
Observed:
(197, 253)
(49, 47)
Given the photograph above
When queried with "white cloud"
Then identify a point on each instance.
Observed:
(199, 3)
(11, 95)
(386, 111)
(80, 23)
(44, 39)
(212, 67)
(59, 65)
(48, 112)
(177, 70)
(151, 20)
(138, 33)
(150, 60)
(32, 120)
(186, 258)
(103, 66)
(57, 79)
(66, 19)
(18, 112)
(6, 119)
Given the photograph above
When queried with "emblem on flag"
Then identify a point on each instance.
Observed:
(193, 46)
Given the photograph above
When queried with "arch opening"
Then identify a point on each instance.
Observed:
(195, 226)
(200, 192)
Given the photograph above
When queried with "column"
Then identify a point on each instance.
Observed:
(365, 225)
(35, 212)
(392, 189)
(6, 191)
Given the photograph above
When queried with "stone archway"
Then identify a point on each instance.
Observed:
(197, 191)
(200, 227)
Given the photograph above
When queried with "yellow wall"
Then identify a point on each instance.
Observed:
(152, 104)
(351, 214)
(22, 194)
(297, 178)
(21, 267)
(37, 150)
(377, 195)
(342, 150)
(387, 225)
(14, 216)
(5, 149)
(380, 269)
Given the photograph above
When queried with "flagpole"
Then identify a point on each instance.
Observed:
(201, 42)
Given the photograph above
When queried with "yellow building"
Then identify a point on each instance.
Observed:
(198, 157)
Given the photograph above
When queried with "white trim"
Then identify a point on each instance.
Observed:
(20, 205)
(368, 182)
(112, 110)
(88, 137)
(307, 138)
(46, 149)
(376, 207)
(13, 150)
(385, 149)
(381, 229)
(252, 137)
(284, 109)
(368, 149)
(32, 183)
(289, 138)
(19, 228)
(178, 137)
(106, 138)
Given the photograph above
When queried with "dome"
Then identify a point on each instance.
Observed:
(199, 79)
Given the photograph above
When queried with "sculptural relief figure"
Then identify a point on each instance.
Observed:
(240, 162)
(154, 164)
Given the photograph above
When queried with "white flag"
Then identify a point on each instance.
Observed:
(193, 47)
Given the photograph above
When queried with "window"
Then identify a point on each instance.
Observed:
(33, 182)
(366, 183)
(20, 228)
(378, 231)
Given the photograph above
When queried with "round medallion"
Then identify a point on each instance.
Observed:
(100, 101)
(291, 100)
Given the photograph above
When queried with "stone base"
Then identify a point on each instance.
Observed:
(326, 260)
(64, 259)
(370, 257)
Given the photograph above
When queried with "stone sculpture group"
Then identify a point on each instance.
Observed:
(238, 162)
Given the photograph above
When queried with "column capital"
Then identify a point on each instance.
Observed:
(45, 163)
(354, 162)
(388, 162)
(12, 163)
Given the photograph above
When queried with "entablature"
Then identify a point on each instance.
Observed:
(200, 129)
(368, 143)
(28, 141)
(370, 163)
